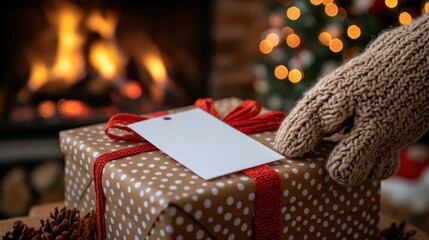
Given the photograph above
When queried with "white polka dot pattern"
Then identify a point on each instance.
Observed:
(152, 195)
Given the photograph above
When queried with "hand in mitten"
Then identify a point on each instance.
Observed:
(384, 90)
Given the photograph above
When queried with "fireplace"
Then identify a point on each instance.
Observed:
(70, 63)
(205, 48)
(75, 62)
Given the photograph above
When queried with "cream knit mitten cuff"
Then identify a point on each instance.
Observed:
(384, 90)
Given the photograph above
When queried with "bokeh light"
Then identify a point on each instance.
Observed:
(73, 108)
(132, 90)
(293, 40)
(326, 2)
(47, 109)
(295, 76)
(391, 3)
(331, 9)
(335, 45)
(273, 38)
(316, 2)
(286, 31)
(265, 46)
(281, 72)
(353, 31)
(325, 38)
(405, 18)
(293, 13)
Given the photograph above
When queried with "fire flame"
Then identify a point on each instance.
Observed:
(69, 63)
(156, 68)
(106, 58)
(105, 55)
(38, 76)
(104, 25)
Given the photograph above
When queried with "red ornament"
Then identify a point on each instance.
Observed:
(410, 167)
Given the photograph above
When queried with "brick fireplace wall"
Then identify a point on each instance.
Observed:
(238, 25)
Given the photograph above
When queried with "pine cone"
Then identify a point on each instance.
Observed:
(67, 224)
(396, 233)
(64, 224)
(21, 231)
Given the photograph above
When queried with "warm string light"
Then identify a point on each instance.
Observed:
(353, 31)
(329, 38)
(295, 76)
(273, 38)
(405, 18)
(331, 9)
(325, 38)
(335, 45)
(326, 2)
(391, 3)
(281, 72)
(293, 13)
(265, 46)
(316, 2)
(293, 40)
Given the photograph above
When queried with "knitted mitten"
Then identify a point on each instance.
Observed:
(384, 90)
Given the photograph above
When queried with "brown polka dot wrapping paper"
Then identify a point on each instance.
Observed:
(151, 196)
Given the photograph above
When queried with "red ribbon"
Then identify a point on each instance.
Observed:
(245, 118)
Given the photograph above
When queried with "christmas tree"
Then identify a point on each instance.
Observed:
(307, 39)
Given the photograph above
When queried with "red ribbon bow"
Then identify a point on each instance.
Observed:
(244, 118)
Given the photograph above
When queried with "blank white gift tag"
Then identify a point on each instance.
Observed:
(204, 144)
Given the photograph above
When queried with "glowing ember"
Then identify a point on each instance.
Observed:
(73, 108)
(132, 90)
(47, 109)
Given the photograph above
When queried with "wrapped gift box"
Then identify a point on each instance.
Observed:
(152, 195)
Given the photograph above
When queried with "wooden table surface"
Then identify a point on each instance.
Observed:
(42, 211)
